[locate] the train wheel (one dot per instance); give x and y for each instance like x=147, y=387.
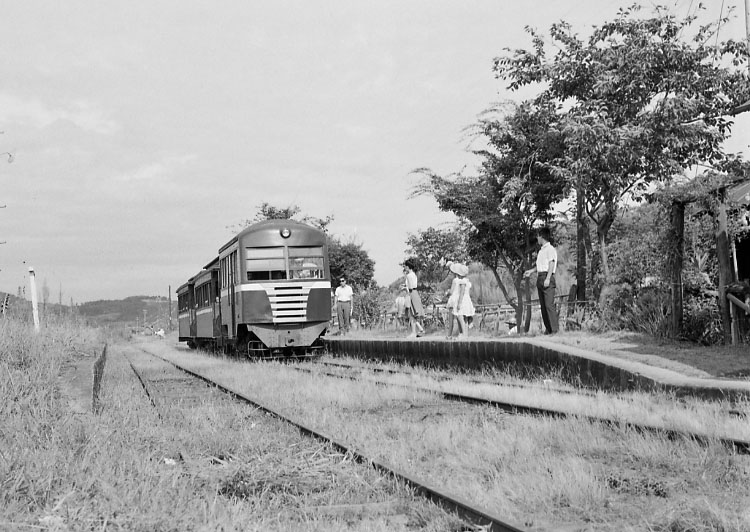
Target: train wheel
x=191, y=344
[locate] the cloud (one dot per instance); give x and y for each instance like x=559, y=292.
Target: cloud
x=84, y=114
x=156, y=171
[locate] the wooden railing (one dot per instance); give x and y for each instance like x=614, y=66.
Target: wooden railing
x=738, y=310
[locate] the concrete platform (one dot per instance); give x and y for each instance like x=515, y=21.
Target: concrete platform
x=590, y=368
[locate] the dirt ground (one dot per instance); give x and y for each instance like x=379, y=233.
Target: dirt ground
x=727, y=362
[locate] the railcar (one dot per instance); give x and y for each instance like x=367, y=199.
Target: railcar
x=268, y=293
x=185, y=314
x=199, y=309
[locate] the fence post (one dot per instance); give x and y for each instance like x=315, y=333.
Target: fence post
x=97, y=384
x=34, y=306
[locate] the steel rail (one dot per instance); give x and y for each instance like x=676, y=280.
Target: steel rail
x=146, y=389
x=739, y=446
x=464, y=509
x=473, y=381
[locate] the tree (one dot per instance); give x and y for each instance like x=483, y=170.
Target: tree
x=266, y=211
x=351, y=261
x=433, y=248
x=640, y=102
x=512, y=192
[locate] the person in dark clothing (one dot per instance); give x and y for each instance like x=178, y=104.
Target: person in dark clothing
x=546, y=264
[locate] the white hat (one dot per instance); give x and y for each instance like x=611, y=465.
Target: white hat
x=459, y=269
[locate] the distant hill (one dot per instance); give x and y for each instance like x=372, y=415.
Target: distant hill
x=134, y=310
x=149, y=310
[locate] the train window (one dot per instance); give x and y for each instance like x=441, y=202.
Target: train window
x=182, y=302
x=203, y=295
x=306, y=262
x=263, y=264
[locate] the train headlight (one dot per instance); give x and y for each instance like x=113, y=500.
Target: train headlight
x=285, y=232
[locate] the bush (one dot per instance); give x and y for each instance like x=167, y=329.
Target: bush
x=367, y=307
x=702, y=320
x=646, y=310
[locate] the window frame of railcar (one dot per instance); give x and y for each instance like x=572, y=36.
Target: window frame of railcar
x=183, y=302
x=267, y=263
x=203, y=295
x=224, y=272
x=227, y=267
x=303, y=259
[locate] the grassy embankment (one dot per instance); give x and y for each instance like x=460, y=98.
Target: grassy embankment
x=212, y=467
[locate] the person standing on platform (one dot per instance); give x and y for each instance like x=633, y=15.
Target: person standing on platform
x=452, y=294
x=415, y=310
x=546, y=265
x=463, y=308
x=343, y=301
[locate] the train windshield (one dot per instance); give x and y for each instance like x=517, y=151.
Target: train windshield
x=306, y=262
x=264, y=264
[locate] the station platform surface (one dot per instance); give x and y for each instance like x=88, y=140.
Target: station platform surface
x=609, y=369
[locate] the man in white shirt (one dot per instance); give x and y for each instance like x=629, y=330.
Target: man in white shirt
x=343, y=301
x=546, y=265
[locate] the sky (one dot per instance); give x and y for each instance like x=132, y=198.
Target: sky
x=143, y=132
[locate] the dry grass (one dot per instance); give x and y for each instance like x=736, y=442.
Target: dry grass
x=214, y=467
x=542, y=472
x=714, y=418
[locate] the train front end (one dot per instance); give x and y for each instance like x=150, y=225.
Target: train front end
x=281, y=289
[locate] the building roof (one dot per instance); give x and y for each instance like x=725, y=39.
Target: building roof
x=739, y=192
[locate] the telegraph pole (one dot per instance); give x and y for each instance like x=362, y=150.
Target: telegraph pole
x=169, y=328
x=10, y=160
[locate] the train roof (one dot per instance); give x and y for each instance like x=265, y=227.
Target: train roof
x=213, y=265
x=277, y=224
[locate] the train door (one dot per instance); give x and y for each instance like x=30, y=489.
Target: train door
x=232, y=295
x=216, y=306
x=193, y=313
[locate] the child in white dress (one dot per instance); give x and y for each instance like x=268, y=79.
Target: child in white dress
x=460, y=299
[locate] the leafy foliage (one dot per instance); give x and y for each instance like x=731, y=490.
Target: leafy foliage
x=513, y=190
x=351, y=261
x=368, y=305
x=639, y=245
x=640, y=101
x=266, y=211
x=433, y=248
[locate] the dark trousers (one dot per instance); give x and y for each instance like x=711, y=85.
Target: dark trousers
x=344, y=312
x=547, y=302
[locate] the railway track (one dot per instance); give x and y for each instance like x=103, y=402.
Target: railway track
x=168, y=385
x=545, y=388
x=738, y=445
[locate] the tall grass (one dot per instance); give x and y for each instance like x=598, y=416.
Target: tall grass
x=216, y=466
x=539, y=471
x=32, y=412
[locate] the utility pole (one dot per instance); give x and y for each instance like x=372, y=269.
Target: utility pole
x=169, y=327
